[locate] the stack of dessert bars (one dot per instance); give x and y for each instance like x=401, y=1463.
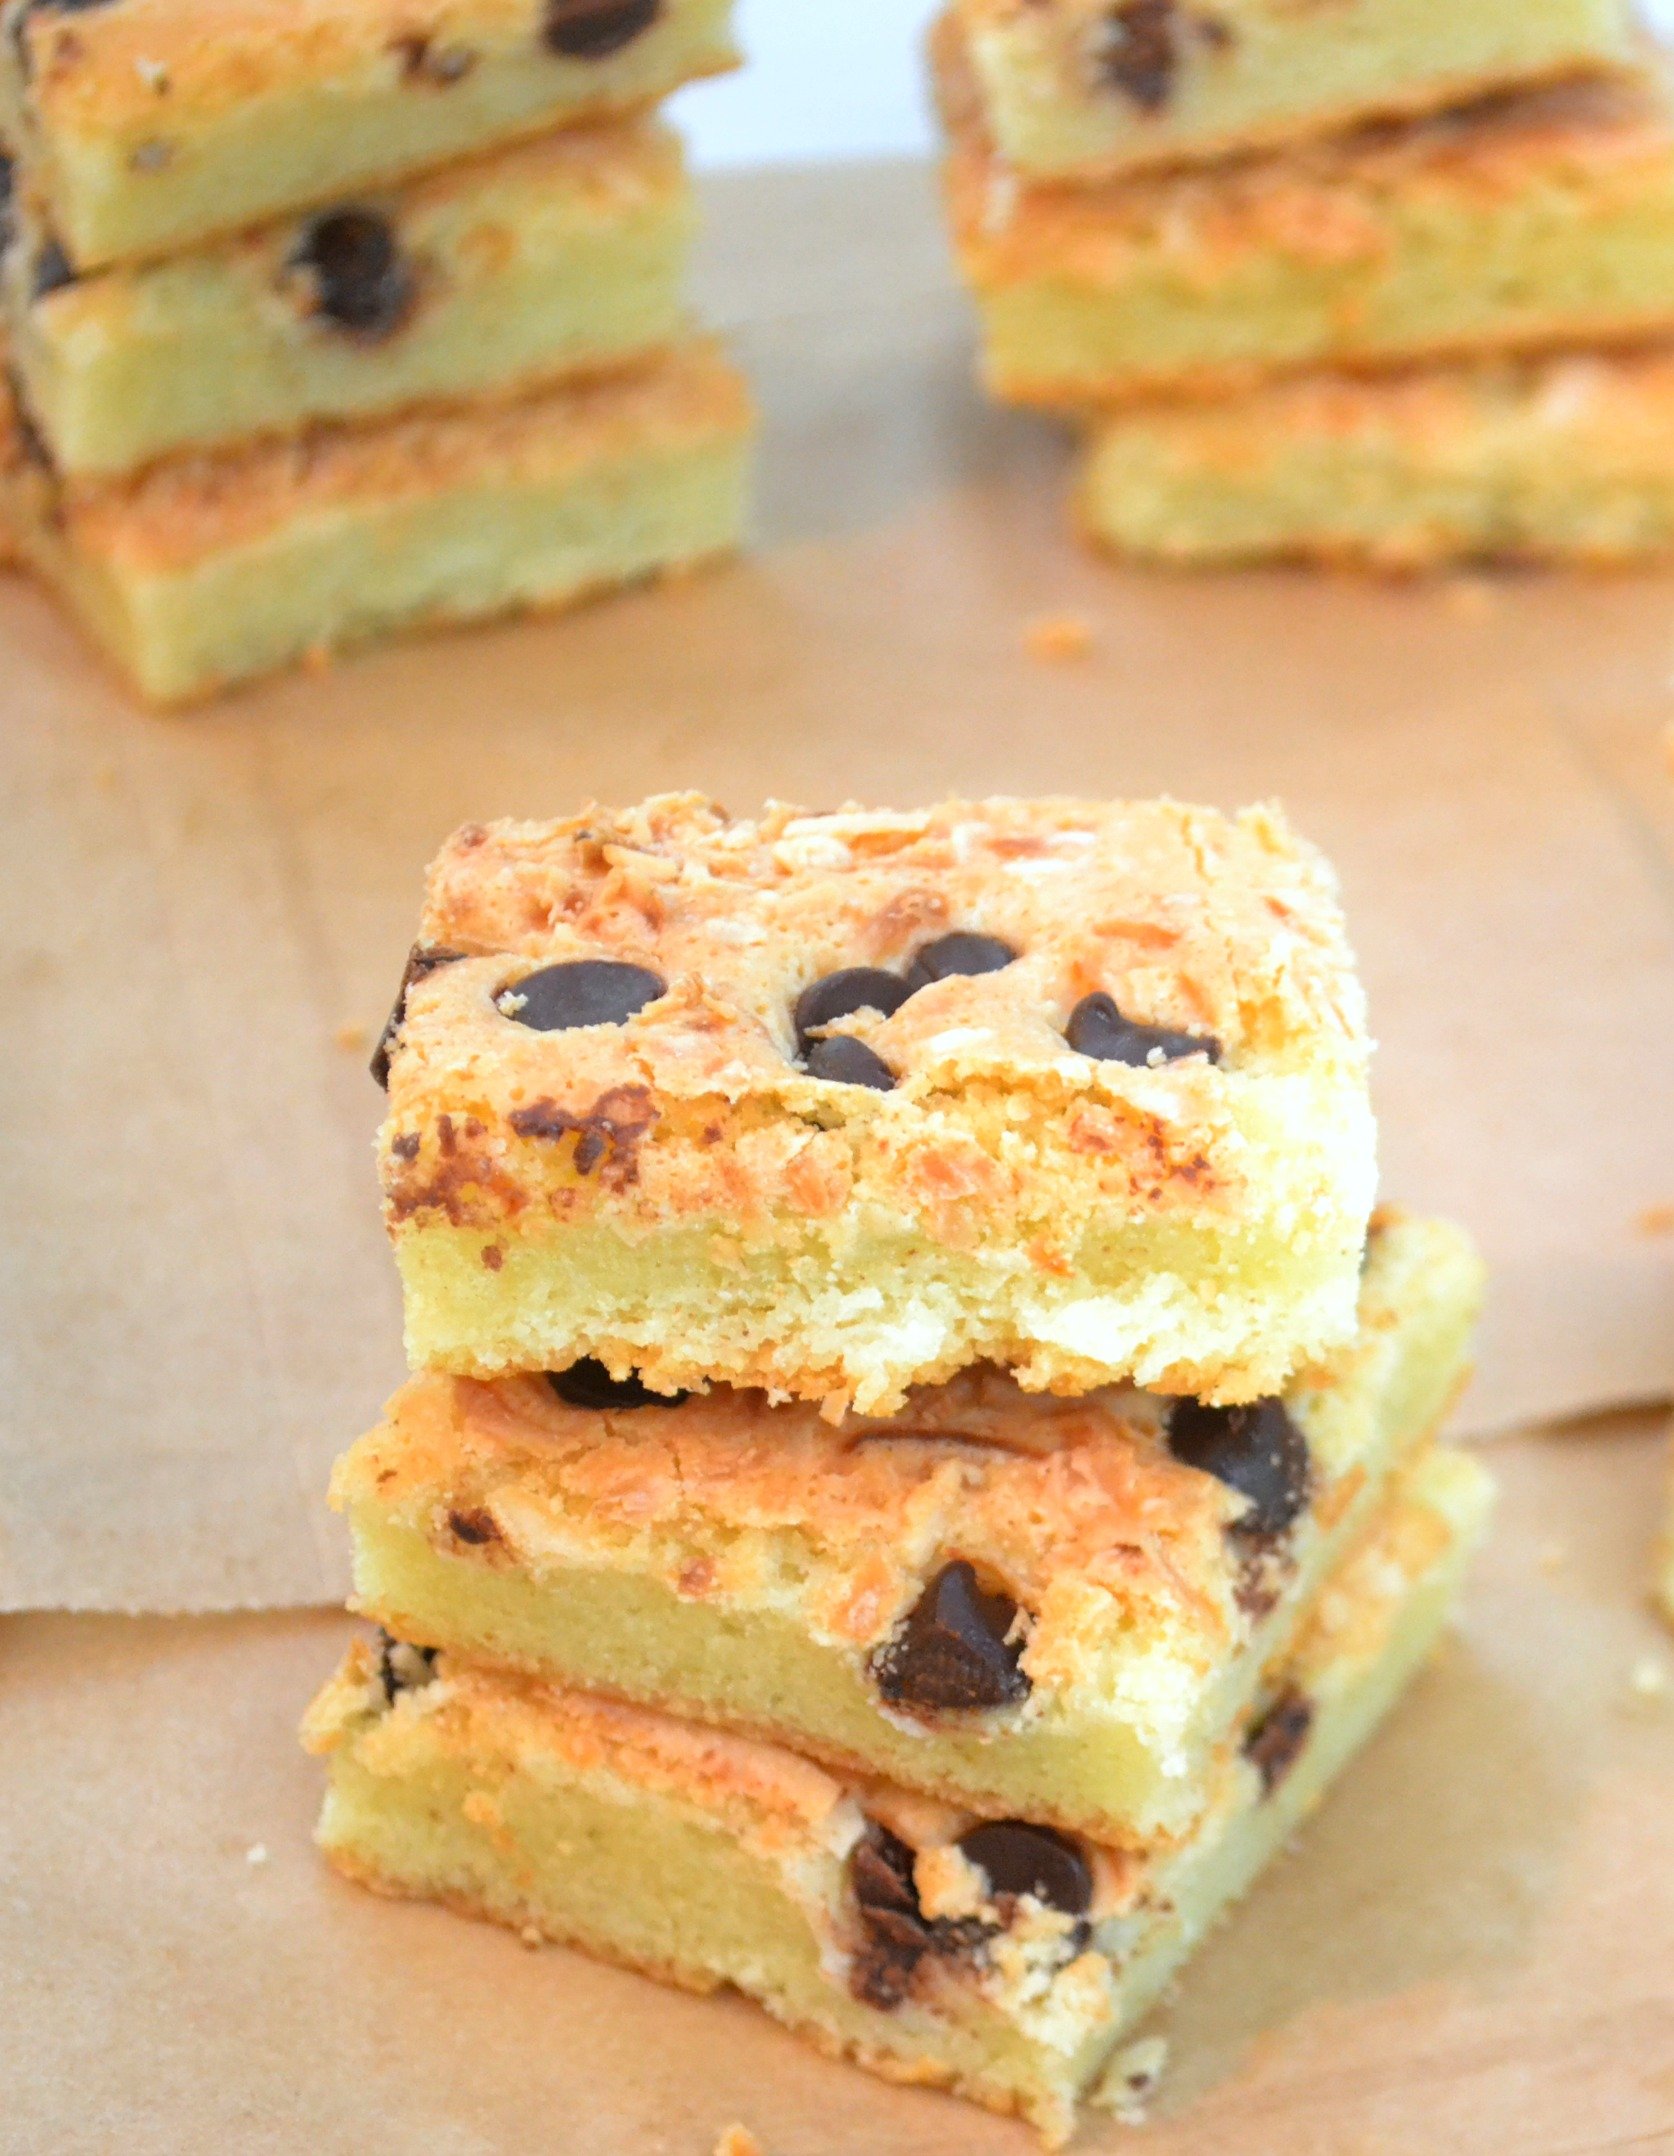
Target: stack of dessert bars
x=334, y=319
x=1391, y=280
x=922, y=1459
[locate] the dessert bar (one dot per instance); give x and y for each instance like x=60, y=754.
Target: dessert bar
x=551, y=259
x=1567, y=458
x=934, y=1945
x=1079, y=87
x=1054, y=1608
x=212, y=568
x=1540, y=220
x=145, y=126
x=840, y=1104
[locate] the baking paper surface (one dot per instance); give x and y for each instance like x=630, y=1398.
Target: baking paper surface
x=1468, y=1950
x=206, y=915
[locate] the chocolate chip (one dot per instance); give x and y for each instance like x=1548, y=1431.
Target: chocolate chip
x=953, y=1648
x=420, y=965
x=1256, y=1450
x=582, y=992
x=897, y=1937
x=1139, y=51
x=840, y=995
x=53, y=270
x=1275, y=1744
x=842, y=1060
x=589, y=1384
x=402, y=1668
x=592, y=29
x=964, y=952
x=1097, y=1028
x=1022, y=1859
x=475, y=1526
x=362, y=283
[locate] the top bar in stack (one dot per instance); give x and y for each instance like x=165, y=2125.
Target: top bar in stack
x=839, y=1104
x=1079, y=87
x=148, y=125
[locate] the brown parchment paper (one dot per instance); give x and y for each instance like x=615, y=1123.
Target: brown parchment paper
x=196, y=1308
x=1469, y=1951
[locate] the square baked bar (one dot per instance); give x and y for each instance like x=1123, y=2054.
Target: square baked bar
x=839, y=1104
x=145, y=126
x=1059, y=1609
x=553, y=259
x=934, y=1945
x=1525, y=222
x=1084, y=87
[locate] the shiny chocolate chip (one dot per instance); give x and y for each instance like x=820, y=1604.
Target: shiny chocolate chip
x=582, y=992
x=362, y=282
x=840, y=995
x=53, y=270
x=1138, y=51
x=593, y=29
x=953, y=1649
x=1256, y=1450
x=1022, y=1859
x=896, y=1935
x=421, y=963
x=589, y=1384
x=1275, y=1743
x=402, y=1668
x=1097, y=1028
x=964, y=952
x=842, y=1060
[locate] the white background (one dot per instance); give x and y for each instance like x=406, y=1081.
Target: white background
x=836, y=78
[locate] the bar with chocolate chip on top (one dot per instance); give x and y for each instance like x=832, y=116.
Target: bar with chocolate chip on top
x=551, y=260
x=935, y=1944
x=840, y=1104
x=1052, y=1608
x=1085, y=88
x=146, y=126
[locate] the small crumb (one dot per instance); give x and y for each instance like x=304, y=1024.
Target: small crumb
x=1656, y=1220
x=738, y=2141
x=1648, y=1678
x=1553, y=1556
x=153, y=74
x=1130, y=2080
x=256, y=1853
x=1472, y=598
x=352, y=1039
x=1057, y=638
x=532, y=1937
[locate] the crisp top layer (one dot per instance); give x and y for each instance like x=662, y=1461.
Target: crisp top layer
x=1223, y=926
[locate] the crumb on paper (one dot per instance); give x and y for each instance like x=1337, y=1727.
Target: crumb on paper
x=1055, y=638
x=351, y=1038
x=1648, y=1678
x=532, y=1937
x=738, y=2141
x=1656, y=1220
x=1552, y=1556
x=256, y=1853
x=1130, y=2080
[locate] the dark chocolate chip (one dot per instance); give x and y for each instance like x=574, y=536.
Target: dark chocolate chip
x=1138, y=51
x=1256, y=1450
x=1097, y=1028
x=589, y=1384
x=65, y=7
x=1275, y=1744
x=1021, y=1859
x=593, y=29
x=952, y=1650
x=363, y=284
x=53, y=270
x=897, y=1937
x=842, y=1060
x=475, y=1525
x=420, y=965
x=840, y=995
x=582, y=992
x=402, y=1668
x=964, y=952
